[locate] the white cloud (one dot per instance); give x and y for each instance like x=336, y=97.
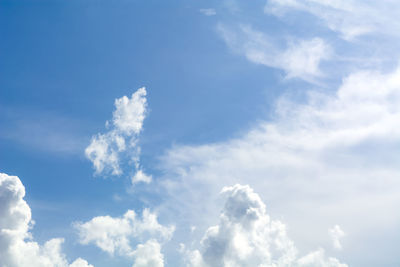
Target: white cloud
x=300, y=59
x=17, y=248
x=336, y=233
x=107, y=150
x=208, y=11
x=350, y=18
x=115, y=235
x=129, y=113
x=332, y=159
x=148, y=255
x=80, y=263
x=140, y=176
x=246, y=236
x=318, y=259
x=103, y=152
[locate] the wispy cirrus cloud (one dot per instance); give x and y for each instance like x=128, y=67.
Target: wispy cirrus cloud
x=351, y=19
x=42, y=131
x=208, y=11
x=299, y=59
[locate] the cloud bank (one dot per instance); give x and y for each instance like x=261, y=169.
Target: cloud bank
x=331, y=160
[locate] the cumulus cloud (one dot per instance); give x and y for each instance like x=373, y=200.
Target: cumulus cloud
x=148, y=255
x=300, y=58
x=140, y=176
x=115, y=236
x=129, y=113
x=17, y=248
x=107, y=150
x=350, y=18
x=336, y=234
x=246, y=236
x=104, y=150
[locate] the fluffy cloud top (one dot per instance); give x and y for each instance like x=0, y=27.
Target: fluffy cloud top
x=246, y=236
x=115, y=235
x=107, y=150
x=336, y=234
x=17, y=248
x=130, y=113
x=148, y=255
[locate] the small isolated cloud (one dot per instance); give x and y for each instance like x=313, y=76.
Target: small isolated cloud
x=208, y=11
x=17, y=248
x=140, y=176
x=107, y=150
x=114, y=236
x=336, y=233
x=300, y=58
x=246, y=236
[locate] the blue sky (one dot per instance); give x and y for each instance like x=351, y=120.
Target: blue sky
x=259, y=123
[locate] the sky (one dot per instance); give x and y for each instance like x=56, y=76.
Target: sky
x=199, y=133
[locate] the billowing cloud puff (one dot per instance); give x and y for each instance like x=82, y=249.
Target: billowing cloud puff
x=104, y=150
x=115, y=235
x=107, y=150
x=336, y=234
x=246, y=236
x=130, y=113
x=148, y=255
x=140, y=176
x=17, y=248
